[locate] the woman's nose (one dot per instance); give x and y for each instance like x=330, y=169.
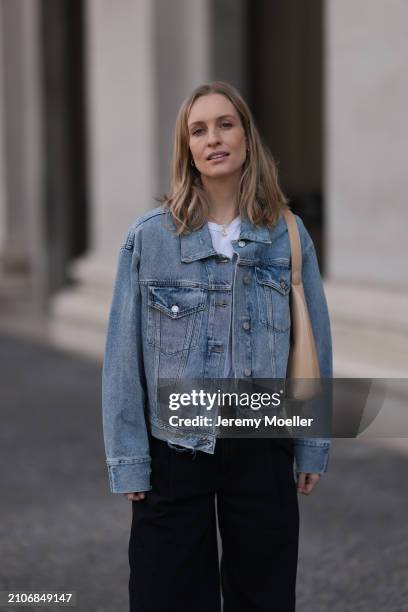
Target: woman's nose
x=213, y=136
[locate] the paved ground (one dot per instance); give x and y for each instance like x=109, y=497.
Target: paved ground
x=60, y=527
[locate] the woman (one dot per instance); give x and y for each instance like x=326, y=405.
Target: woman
x=202, y=291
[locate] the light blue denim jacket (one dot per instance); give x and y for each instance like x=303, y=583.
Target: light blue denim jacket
x=170, y=318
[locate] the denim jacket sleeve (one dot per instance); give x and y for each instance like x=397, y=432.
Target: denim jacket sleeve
x=123, y=380
x=312, y=454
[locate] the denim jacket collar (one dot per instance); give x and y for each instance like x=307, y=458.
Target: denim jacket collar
x=198, y=244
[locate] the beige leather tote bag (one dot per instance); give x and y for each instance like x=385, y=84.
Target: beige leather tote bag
x=303, y=360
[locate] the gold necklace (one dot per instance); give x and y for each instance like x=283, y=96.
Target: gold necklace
x=224, y=226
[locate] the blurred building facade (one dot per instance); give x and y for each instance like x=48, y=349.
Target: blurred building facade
x=89, y=91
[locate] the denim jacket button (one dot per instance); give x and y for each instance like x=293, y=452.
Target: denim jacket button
x=175, y=308
x=246, y=325
x=247, y=371
x=241, y=243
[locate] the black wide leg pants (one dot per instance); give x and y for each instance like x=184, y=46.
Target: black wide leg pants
x=173, y=552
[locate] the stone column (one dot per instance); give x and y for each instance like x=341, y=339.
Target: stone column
x=136, y=81
x=2, y=151
x=23, y=249
x=121, y=110
x=182, y=48
x=366, y=185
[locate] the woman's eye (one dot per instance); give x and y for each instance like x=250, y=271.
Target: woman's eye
x=224, y=124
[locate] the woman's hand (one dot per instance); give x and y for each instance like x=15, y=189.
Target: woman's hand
x=306, y=482
x=135, y=496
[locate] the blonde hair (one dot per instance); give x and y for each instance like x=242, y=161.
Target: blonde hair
x=260, y=197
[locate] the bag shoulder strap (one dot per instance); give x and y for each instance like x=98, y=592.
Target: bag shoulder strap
x=295, y=246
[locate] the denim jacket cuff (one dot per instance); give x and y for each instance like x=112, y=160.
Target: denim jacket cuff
x=311, y=457
x=129, y=476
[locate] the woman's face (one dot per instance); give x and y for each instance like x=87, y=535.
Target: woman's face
x=216, y=136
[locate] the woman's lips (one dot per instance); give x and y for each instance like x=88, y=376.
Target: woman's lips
x=219, y=158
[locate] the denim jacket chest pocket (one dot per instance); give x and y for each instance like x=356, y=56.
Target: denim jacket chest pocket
x=174, y=317
x=273, y=286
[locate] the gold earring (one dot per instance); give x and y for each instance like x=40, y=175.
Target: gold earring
x=192, y=162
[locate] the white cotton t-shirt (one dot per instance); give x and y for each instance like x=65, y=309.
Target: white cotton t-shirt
x=222, y=244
